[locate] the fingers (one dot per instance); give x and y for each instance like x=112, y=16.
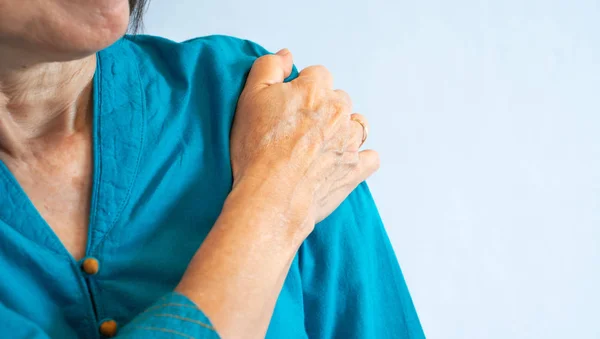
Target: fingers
x=355, y=132
x=270, y=69
x=362, y=166
x=368, y=163
x=345, y=98
x=317, y=74
x=350, y=135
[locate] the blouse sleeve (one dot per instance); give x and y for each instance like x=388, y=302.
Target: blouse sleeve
x=173, y=316
x=352, y=284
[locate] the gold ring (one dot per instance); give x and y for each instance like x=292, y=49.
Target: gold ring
x=365, y=130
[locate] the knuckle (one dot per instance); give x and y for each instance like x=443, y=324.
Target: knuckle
x=345, y=105
x=342, y=97
x=311, y=93
x=319, y=72
x=345, y=96
x=345, y=101
x=319, y=69
x=265, y=59
x=311, y=86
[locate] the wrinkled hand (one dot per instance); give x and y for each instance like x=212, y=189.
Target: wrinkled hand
x=298, y=137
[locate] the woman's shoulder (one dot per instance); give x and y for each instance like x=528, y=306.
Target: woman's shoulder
x=221, y=55
x=198, y=80
x=202, y=75
x=217, y=45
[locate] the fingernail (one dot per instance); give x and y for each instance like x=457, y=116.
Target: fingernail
x=283, y=52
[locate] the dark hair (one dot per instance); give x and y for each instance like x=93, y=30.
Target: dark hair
x=137, y=9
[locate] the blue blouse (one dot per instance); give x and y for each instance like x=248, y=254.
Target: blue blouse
x=162, y=116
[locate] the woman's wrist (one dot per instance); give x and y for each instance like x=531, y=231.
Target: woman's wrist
x=279, y=204
x=237, y=274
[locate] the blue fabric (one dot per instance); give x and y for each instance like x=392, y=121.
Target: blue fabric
x=163, y=112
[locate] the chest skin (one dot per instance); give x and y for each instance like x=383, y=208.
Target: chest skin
x=57, y=179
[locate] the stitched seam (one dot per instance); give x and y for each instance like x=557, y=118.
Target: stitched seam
x=95, y=290
x=138, y=160
x=97, y=154
x=160, y=329
x=168, y=315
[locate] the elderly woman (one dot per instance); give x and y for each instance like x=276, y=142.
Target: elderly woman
x=133, y=205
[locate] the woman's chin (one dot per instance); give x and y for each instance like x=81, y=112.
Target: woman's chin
x=60, y=30
x=73, y=32
x=77, y=41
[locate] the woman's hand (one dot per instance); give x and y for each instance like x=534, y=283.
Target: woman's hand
x=295, y=158
x=299, y=135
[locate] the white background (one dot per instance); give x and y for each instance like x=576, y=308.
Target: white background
x=487, y=118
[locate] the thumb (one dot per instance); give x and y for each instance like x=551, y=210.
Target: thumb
x=270, y=69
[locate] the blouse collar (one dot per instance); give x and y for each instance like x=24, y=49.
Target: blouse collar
x=118, y=134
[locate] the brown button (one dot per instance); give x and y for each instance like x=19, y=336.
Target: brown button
x=90, y=266
x=108, y=328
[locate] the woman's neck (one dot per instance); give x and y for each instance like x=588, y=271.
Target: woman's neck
x=42, y=103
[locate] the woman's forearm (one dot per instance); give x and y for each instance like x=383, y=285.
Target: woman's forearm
x=238, y=272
